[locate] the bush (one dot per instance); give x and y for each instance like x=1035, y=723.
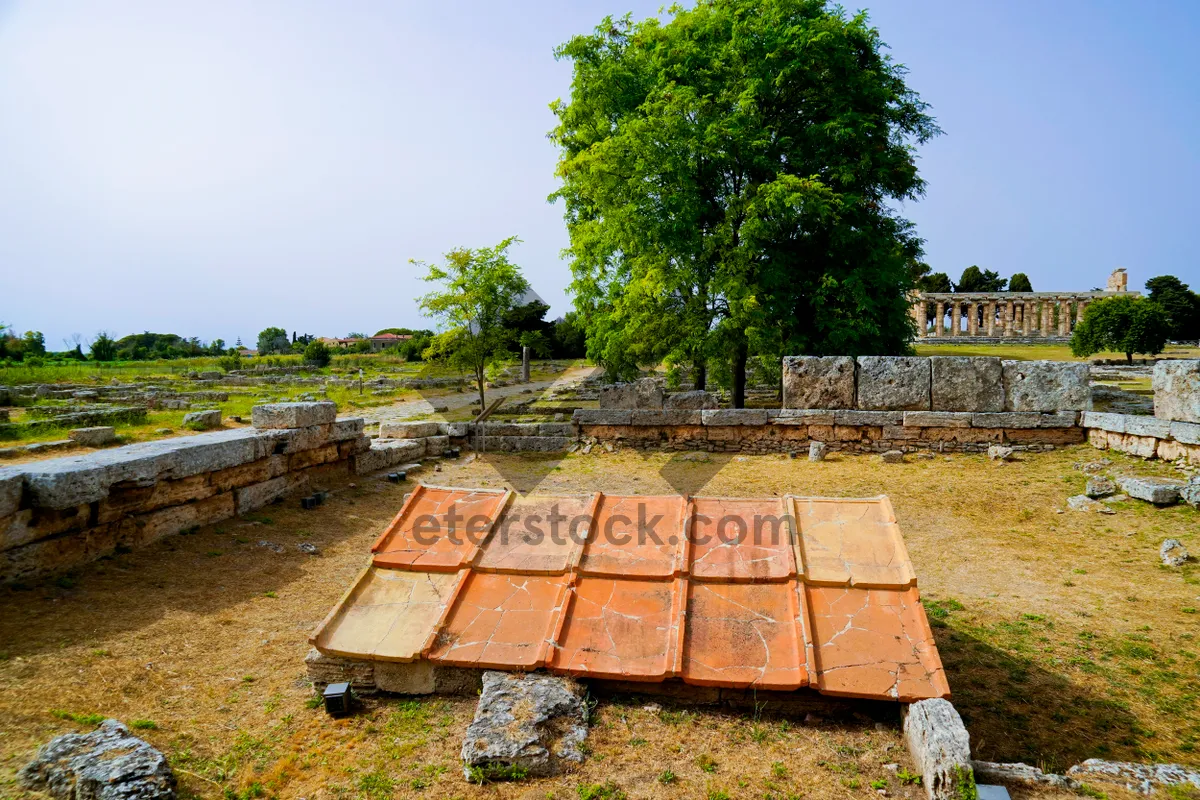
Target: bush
x=317, y=354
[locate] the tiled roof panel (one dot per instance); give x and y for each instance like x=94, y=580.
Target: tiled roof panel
x=771, y=593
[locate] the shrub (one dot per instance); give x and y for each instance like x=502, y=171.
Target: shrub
x=317, y=354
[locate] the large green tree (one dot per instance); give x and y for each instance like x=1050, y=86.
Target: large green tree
x=1181, y=304
x=1121, y=324
x=273, y=340
x=478, y=289
x=975, y=279
x=727, y=177
x=1020, y=282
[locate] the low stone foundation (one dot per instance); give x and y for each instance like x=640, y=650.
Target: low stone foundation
x=1145, y=437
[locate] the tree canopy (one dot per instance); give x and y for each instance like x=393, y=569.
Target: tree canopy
x=1121, y=324
x=976, y=280
x=273, y=340
x=727, y=177
x=1181, y=305
x=938, y=282
x=478, y=288
x=1020, y=282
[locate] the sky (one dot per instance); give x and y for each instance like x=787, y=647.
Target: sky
x=214, y=168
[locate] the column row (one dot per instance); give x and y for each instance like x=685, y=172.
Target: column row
x=1004, y=318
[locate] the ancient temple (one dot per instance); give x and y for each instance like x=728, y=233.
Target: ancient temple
x=980, y=316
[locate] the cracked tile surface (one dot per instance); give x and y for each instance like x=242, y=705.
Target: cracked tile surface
x=438, y=529
x=621, y=629
x=835, y=608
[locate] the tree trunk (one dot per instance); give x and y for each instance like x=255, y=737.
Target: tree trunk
x=700, y=374
x=1129, y=358
x=739, y=374
x=479, y=383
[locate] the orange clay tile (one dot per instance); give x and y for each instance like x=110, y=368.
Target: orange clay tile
x=741, y=540
x=537, y=534
x=851, y=542
x=388, y=614
x=615, y=547
x=438, y=529
x=620, y=629
x=874, y=643
x=835, y=607
x=500, y=621
x=742, y=635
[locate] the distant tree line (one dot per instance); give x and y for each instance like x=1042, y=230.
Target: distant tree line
x=973, y=279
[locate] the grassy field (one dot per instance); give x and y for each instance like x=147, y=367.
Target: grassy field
x=1062, y=636
x=1036, y=352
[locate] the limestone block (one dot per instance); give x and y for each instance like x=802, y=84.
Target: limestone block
x=1172, y=553
x=529, y=444
x=323, y=670
x=253, y=497
x=168, y=521
x=879, y=418
x=1104, y=421
x=1185, y=432
x=385, y=455
x=817, y=450
x=202, y=420
x=125, y=500
x=1060, y=419
x=937, y=419
x=535, y=722
x=293, y=415
x=455, y=430
x=93, y=437
x=963, y=383
x=436, y=445
x=887, y=383
x=556, y=429
x=802, y=416
x=312, y=458
x=73, y=480
x=941, y=748
x=1046, y=386
x=642, y=393
x=1140, y=446
x=345, y=429
x=105, y=764
x=295, y=440
x=667, y=417
x=593, y=416
x=1099, y=486
x=1190, y=494
x=1177, y=390
x=408, y=430
x=697, y=400
x=1006, y=420
x=893, y=457
x=416, y=677
x=1147, y=426
x=1160, y=491
x=243, y=475
x=30, y=525
x=734, y=416
x=818, y=382
x=12, y=483
x=1140, y=777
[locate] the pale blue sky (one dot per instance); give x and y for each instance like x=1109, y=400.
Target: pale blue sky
x=213, y=168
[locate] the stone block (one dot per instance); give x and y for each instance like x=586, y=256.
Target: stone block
x=243, y=474
x=436, y=445
x=385, y=455
x=455, y=430
x=1185, y=432
x=940, y=747
x=1046, y=386
x=557, y=429
x=802, y=416
x=962, y=383
x=893, y=457
x=937, y=419
x=1104, y=421
x=529, y=444
x=125, y=500
x=157, y=524
x=593, y=416
x=345, y=429
x=295, y=440
x=824, y=382
x=1159, y=491
x=251, y=498
x=537, y=723
x=408, y=430
x=1177, y=390
x=893, y=383
x=1007, y=419
x=734, y=416
x=12, y=484
x=293, y=415
x=416, y=677
x=202, y=420
x=74, y=480
x=323, y=670
x=30, y=525
x=1147, y=426
x=665, y=417
x=207, y=452
x=817, y=451
x=93, y=437
x=879, y=418
x=697, y=400
x=642, y=393
x=1059, y=419
x=311, y=458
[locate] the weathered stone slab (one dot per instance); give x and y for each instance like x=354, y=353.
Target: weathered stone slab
x=667, y=417
x=436, y=445
x=1059, y=419
x=455, y=430
x=205, y=420
x=818, y=382
x=12, y=483
x=602, y=416
x=734, y=416
x=1160, y=491
x=1177, y=390
x=642, y=393
x=385, y=455
x=962, y=383
x=937, y=419
x=802, y=416
x=408, y=430
x=1007, y=419
x=893, y=383
x=1046, y=386
x=1021, y=773
x=537, y=723
x=529, y=444
x=107, y=764
x=1138, y=777
x=1185, y=432
x=557, y=428
x=941, y=748
x=345, y=429
x=1104, y=421
x=1147, y=426
x=876, y=418
x=1099, y=486
x=256, y=496
x=696, y=400
x=293, y=415
x=817, y=451
x=169, y=521
x=93, y=437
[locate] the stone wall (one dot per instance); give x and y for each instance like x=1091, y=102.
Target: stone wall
x=1172, y=434
x=58, y=513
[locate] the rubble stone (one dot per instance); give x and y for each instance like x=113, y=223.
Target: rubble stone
x=1172, y=553
x=1138, y=777
x=107, y=764
x=893, y=457
x=93, y=437
x=1081, y=502
x=817, y=450
x=1160, y=491
x=823, y=382
x=941, y=748
x=642, y=393
x=1100, y=486
x=202, y=420
x=999, y=452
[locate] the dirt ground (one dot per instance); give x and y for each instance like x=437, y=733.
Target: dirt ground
x=1062, y=636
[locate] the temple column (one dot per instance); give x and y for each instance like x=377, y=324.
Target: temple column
x=1044, y=327
x=989, y=313
x=1009, y=310
x=956, y=318
x=1026, y=318
x=922, y=314
x=939, y=322
x=972, y=319
x=1064, y=316
x=1081, y=307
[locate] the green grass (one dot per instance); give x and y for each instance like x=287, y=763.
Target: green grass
x=1033, y=352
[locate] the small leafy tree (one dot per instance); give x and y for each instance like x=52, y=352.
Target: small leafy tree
x=104, y=347
x=976, y=280
x=938, y=283
x=273, y=340
x=477, y=289
x=1020, y=283
x=1121, y=324
x=1181, y=304
x=317, y=354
